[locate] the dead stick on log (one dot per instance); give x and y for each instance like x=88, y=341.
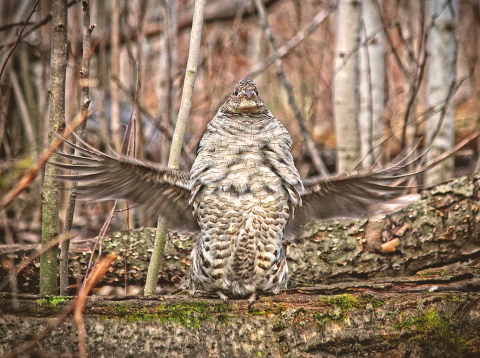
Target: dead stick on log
x=97, y=274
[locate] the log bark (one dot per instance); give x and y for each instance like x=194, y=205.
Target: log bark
x=433, y=314
x=441, y=228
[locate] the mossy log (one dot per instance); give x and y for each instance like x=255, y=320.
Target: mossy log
x=359, y=288
x=441, y=228
x=432, y=314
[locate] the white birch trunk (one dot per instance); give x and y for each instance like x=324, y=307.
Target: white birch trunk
x=441, y=79
x=346, y=89
x=371, y=83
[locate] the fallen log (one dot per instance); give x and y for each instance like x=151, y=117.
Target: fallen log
x=432, y=314
x=359, y=288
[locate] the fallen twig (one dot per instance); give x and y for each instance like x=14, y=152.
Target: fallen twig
x=79, y=304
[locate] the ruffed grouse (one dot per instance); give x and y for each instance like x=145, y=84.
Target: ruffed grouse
x=242, y=193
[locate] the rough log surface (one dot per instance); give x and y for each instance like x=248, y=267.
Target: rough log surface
x=432, y=314
x=358, y=291
x=440, y=229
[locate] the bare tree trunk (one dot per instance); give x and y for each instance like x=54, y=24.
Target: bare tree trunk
x=346, y=85
x=162, y=97
x=441, y=83
x=101, y=71
x=177, y=140
x=50, y=195
x=372, y=76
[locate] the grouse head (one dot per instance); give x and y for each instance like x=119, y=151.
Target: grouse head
x=244, y=99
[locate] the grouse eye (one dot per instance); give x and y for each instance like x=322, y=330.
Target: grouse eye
x=235, y=92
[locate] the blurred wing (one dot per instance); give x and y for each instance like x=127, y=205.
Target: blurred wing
x=348, y=195
x=164, y=192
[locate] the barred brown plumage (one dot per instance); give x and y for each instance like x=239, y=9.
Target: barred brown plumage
x=242, y=192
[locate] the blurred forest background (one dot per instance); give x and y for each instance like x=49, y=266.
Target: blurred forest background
x=137, y=67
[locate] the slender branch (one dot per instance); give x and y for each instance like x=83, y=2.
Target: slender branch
x=415, y=89
x=24, y=114
x=84, y=85
x=79, y=305
x=190, y=75
x=292, y=43
x=225, y=61
x=220, y=10
x=177, y=140
x=393, y=48
x=43, y=22
x=449, y=153
x=99, y=240
x=15, y=24
x=18, y=38
x=425, y=115
x=312, y=150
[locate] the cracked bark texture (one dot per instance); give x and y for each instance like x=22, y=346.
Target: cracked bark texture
x=359, y=288
x=423, y=316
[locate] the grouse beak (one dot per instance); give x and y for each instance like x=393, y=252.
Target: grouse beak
x=248, y=102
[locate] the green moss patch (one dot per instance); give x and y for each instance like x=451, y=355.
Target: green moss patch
x=340, y=305
x=433, y=330
x=190, y=315
x=52, y=301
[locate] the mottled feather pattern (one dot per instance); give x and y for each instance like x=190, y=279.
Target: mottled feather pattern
x=243, y=194
x=350, y=195
x=247, y=178
x=164, y=192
